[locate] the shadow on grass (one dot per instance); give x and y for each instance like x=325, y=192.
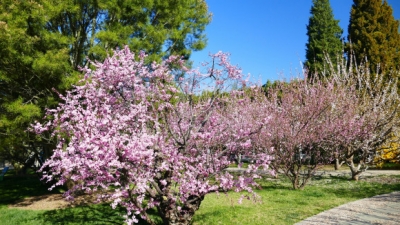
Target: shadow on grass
x=89, y=214
x=15, y=188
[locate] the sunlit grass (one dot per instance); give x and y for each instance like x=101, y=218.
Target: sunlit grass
x=281, y=205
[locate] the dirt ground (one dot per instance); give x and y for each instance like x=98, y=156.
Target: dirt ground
x=56, y=201
x=50, y=202
x=44, y=202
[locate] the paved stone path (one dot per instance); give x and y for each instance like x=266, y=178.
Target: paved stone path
x=368, y=173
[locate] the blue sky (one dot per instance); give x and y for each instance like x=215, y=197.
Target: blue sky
x=266, y=38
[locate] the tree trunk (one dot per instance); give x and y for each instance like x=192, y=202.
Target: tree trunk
x=295, y=180
x=338, y=164
x=170, y=214
x=355, y=171
x=295, y=184
x=355, y=176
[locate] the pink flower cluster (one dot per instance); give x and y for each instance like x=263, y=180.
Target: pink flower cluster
x=144, y=139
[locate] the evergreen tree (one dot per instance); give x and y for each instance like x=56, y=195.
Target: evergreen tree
x=43, y=43
x=324, y=35
x=374, y=34
x=159, y=28
x=32, y=62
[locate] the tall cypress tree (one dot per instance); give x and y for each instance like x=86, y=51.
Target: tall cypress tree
x=374, y=34
x=324, y=35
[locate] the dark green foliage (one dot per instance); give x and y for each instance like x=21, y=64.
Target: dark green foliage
x=324, y=35
x=373, y=34
x=43, y=43
x=32, y=62
x=159, y=28
x=269, y=85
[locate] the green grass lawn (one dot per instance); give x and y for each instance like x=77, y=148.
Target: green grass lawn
x=279, y=204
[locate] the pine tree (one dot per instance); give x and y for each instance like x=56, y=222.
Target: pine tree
x=374, y=35
x=43, y=43
x=159, y=28
x=32, y=62
x=324, y=35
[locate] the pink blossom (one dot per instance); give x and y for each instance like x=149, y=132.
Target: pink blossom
x=133, y=128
